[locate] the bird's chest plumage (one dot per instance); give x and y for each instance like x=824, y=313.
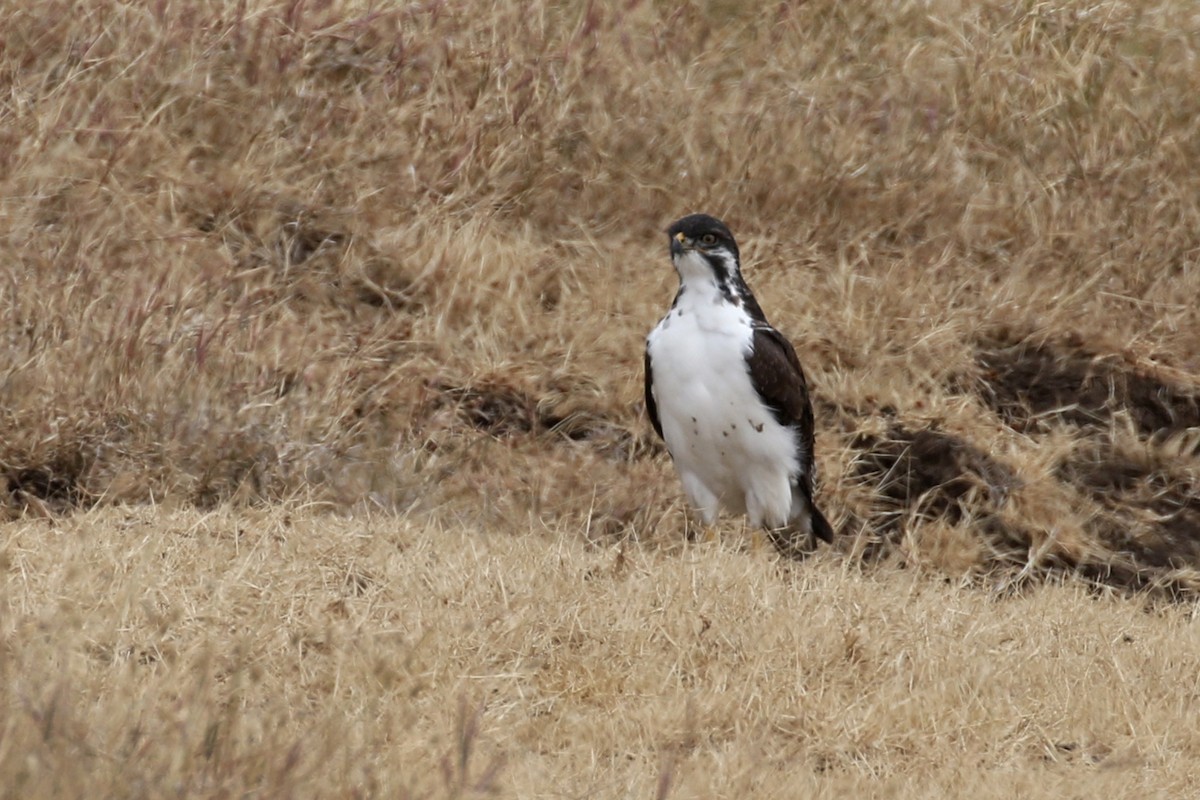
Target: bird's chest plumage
x=714, y=423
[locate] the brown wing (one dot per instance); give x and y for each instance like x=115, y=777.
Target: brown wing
x=651, y=406
x=779, y=380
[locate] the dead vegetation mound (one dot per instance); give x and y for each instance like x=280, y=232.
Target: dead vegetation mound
x=498, y=408
x=55, y=485
x=1030, y=384
x=1131, y=474
x=1150, y=501
x=931, y=474
x=1139, y=504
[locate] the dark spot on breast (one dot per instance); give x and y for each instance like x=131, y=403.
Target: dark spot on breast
x=693, y=419
x=758, y=427
x=724, y=433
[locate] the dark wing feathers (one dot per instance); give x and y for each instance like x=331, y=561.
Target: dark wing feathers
x=651, y=406
x=779, y=380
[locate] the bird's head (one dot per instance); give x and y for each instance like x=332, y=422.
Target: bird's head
x=702, y=247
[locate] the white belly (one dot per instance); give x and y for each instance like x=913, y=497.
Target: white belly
x=729, y=450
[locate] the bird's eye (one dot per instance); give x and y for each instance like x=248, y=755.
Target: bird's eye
x=708, y=239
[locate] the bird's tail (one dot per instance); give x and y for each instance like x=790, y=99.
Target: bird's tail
x=799, y=537
x=821, y=528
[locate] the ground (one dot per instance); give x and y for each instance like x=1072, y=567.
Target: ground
x=323, y=464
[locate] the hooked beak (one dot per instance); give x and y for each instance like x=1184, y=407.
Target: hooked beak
x=679, y=243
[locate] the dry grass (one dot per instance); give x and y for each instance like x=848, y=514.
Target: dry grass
x=269, y=652
x=323, y=468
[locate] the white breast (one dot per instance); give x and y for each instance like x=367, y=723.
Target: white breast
x=727, y=447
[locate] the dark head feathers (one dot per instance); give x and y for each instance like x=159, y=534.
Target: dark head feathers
x=695, y=227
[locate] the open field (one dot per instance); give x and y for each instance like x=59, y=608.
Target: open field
x=323, y=465
x=266, y=652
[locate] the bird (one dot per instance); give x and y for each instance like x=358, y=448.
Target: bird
x=725, y=391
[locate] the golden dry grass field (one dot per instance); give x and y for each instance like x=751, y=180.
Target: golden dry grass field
x=324, y=470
